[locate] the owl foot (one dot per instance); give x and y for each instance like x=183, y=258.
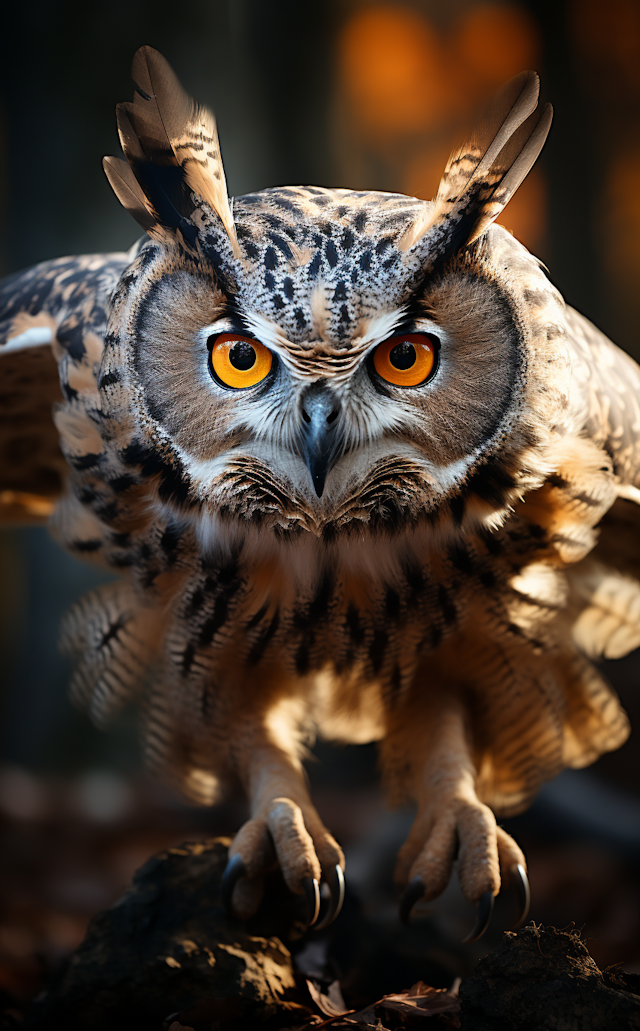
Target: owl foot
x=415, y=891
x=523, y=894
x=487, y=857
x=484, y=913
x=295, y=840
x=335, y=887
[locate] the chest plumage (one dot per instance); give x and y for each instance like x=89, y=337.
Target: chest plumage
x=362, y=472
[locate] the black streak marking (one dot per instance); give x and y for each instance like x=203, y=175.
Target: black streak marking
x=354, y=625
x=377, y=649
x=262, y=643
x=314, y=265
x=447, y=607
x=113, y=631
x=108, y=379
x=331, y=253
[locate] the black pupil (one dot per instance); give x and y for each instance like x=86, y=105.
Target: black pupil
x=242, y=356
x=403, y=355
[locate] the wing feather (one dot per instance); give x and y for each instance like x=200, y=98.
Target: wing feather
x=52, y=323
x=603, y=609
x=610, y=381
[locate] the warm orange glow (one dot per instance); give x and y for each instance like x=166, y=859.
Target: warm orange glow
x=20, y=506
x=410, y=365
x=494, y=42
x=240, y=361
x=391, y=65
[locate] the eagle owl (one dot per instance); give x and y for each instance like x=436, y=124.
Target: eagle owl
x=362, y=472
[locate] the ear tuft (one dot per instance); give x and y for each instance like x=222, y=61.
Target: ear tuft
x=127, y=189
x=172, y=153
x=485, y=172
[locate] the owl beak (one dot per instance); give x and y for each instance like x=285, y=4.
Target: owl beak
x=320, y=410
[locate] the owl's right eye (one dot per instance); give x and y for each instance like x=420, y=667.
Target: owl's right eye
x=237, y=361
x=407, y=359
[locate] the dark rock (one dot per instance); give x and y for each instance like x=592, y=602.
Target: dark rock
x=542, y=979
x=167, y=952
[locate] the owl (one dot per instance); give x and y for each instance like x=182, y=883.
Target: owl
x=362, y=474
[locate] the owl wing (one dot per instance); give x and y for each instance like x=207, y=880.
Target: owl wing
x=604, y=604
x=610, y=380
x=52, y=326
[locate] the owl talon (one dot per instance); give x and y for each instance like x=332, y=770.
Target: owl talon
x=483, y=917
x=312, y=895
x=234, y=871
x=413, y=892
x=335, y=882
x=523, y=893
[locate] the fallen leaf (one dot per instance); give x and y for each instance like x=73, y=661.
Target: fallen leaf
x=418, y=1004
x=331, y=1004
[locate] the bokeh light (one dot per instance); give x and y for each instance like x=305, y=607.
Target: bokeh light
x=412, y=85
x=491, y=44
x=393, y=71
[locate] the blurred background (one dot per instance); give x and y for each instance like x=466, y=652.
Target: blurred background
x=337, y=93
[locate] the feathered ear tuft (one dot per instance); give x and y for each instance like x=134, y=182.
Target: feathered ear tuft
x=172, y=153
x=485, y=172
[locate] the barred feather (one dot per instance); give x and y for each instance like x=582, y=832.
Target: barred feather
x=110, y=636
x=171, y=752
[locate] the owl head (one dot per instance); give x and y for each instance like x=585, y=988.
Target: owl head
x=306, y=358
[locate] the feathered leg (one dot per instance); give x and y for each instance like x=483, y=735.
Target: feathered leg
x=451, y=821
x=284, y=826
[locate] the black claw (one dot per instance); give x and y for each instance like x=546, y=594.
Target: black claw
x=413, y=892
x=523, y=893
x=235, y=869
x=335, y=882
x=485, y=909
x=312, y=894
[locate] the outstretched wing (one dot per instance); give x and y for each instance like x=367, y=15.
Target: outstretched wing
x=611, y=383
x=52, y=325
x=604, y=601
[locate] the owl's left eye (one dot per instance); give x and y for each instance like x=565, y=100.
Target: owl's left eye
x=407, y=359
x=238, y=361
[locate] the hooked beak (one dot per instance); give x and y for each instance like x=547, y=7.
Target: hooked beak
x=320, y=410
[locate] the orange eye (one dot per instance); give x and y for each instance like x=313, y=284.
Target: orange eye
x=239, y=361
x=406, y=359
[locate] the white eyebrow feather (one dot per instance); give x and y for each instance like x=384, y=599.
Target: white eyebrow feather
x=265, y=331
x=379, y=327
